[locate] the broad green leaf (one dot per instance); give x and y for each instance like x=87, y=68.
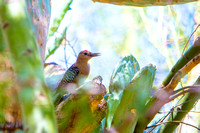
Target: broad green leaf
x=121, y=77
x=134, y=98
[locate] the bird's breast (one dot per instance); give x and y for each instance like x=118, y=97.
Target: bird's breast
x=84, y=70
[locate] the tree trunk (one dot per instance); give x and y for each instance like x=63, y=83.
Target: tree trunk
x=40, y=11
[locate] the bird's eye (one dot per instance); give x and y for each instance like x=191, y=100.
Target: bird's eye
x=85, y=53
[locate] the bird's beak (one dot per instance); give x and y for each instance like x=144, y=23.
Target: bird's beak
x=94, y=54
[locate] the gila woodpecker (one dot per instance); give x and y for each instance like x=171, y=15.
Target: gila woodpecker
x=79, y=71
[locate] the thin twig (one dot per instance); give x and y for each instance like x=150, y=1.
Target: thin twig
x=173, y=122
x=172, y=110
x=72, y=47
x=68, y=43
x=75, y=41
x=192, y=90
x=65, y=57
x=183, y=88
x=189, y=39
x=183, y=102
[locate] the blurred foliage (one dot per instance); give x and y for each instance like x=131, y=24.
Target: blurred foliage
x=33, y=95
x=10, y=111
x=3, y=85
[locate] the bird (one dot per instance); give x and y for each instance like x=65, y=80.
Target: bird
x=78, y=72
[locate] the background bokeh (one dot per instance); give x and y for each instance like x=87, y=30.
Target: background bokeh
x=154, y=35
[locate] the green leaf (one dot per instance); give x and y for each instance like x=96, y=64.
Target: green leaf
x=121, y=77
x=133, y=100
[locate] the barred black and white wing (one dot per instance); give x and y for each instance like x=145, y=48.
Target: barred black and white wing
x=69, y=76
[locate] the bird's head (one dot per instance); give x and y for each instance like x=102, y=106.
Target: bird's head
x=87, y=55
